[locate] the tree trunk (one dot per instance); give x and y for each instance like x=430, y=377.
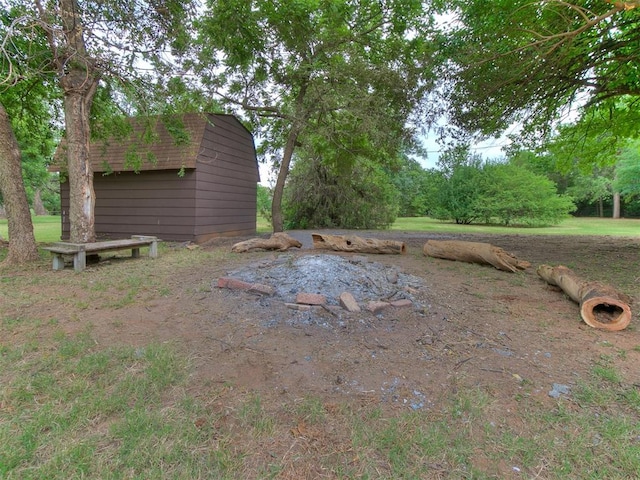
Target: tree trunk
x=79, y=83
x=22, y=243
x=352, y=243
x=297, y=125
x=474, y=252
x=616, y=205
x=277, y=218
x=600, y=305
x=600, y=207
x=38, y=206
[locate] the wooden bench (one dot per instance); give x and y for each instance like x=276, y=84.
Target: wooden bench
x=80, y=250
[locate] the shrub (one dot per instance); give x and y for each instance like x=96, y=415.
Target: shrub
x=318, y=195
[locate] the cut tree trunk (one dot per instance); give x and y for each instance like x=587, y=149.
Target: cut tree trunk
x=601, y=306
x=278, y=241
x=351, y=243
x=474, y=252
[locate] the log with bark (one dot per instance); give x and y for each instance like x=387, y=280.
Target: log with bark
x=352, y=243
x=474, y=252
x=601, y=306
x=278, y=241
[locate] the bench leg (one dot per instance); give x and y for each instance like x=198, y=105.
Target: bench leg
x=79, y=261
x=58, y=261
x=153, y=249
x=153, y=246
x=135, y=252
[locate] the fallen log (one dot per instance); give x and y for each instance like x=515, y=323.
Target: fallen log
x=352, y=243
x=601, y=306
x=278, y=241
x=474, y=252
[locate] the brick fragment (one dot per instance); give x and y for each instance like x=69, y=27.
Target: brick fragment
x=233, y=283
x=297, y=306
x=376, y=307
x=311, y=298
x=402, y=303
x=348, y=302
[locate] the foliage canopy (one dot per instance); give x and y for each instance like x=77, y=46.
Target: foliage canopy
x=528, y=62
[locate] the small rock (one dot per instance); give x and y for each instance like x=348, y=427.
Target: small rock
x=392, y=277
x=311, y=299
x=375, y=307
x=296, y=306
x=559, y=389
x=348, y=302
x=503, y=352
x=402, y=303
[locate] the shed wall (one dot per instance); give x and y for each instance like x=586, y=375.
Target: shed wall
x=159, y=203
x=216, y=198
x=226, y=178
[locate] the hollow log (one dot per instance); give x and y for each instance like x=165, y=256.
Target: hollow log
x=601, y=306
x=474, y=252
x=352, y=243
x=278, y=241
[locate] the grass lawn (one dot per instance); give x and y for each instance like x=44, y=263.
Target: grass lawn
x=622, y=227
x=73, y=406
x=48, y=229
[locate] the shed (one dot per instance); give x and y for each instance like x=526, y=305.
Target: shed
x=193, y=184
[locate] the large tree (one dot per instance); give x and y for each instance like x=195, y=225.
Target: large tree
x=531, y=62
x=310, y=71
x=22, y=244
x=26, y=133
x=88, y=43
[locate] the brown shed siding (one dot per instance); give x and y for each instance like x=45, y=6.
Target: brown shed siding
x=217, y=197
x=227, y=175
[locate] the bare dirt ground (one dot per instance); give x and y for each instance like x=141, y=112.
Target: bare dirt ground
x=470, y=326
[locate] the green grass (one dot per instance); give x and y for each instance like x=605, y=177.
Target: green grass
x=263, y=225
x=572, y=226
x=47, y=228
x=72, y=410
x=71, y=407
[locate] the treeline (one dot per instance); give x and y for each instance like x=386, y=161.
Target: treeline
x=521, y=190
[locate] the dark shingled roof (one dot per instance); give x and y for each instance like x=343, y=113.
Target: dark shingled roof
x=165, y=150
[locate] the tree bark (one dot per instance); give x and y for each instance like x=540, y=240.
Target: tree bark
x=278, y=241
x=297, y=126
x=600, y=207
x=79, y=82
x=352, y=243
x=22, y=242
x=601, y=306
x=38, y=206
x=277, y=218
x=474, y=252
x=616, y=205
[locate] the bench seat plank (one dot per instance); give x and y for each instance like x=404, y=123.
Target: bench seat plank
x=80, y=250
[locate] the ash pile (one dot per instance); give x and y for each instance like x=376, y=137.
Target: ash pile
x=292, y=277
